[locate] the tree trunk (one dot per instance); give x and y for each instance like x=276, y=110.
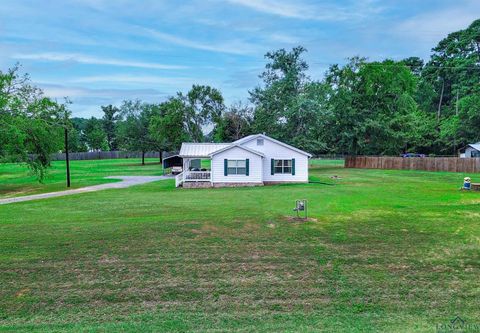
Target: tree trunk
x=160, y=157
x=455, y=152
x=143, y=158
x=440, y=102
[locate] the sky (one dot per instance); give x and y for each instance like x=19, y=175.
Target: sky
x=99, y=52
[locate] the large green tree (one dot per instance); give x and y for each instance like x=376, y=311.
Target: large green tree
x=133, y=130
x=283, y=79
x=31, y=125
x=167, y=127
x=453, y=72
x=374, y=107
x=203, y=107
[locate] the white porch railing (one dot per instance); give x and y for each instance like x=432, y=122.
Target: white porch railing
x=197, y=176
x=179, y=179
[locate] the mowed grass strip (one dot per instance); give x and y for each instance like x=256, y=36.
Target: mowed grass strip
x=395, y=251
x=18, y=180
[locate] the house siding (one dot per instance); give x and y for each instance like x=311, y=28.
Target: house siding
x=255, y=167
x=273, y=150
x=470, y=152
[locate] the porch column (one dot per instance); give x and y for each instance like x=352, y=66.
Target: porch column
x=186, y=162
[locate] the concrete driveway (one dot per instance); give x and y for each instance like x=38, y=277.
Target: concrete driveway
x=127, y=181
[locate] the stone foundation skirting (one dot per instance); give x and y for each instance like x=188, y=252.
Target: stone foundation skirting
x=284, y=182
x=197, y=185
x=236, y=184
x=209, y=185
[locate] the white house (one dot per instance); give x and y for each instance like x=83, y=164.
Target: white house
x=472, y=150
x=251, y=161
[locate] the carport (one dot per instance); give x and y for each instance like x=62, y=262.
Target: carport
x=172, y=161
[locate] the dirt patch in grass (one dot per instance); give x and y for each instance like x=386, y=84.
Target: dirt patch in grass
x=299, y=219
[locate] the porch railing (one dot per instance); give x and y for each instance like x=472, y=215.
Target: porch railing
x=179, y=179
x=197, y=176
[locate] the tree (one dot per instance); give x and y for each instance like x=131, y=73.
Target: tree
x=374, y=106
x=203, y=107
x=234, y=123
x=110, y=118
x=77, y=141
x=95, y=136
x=31, y=125
x=454, y=73
x=168, y=126
x=134, y=129
x=283, y=81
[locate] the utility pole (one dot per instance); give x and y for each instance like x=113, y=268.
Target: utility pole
x=67, y=159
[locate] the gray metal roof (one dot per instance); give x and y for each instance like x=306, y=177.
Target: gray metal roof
x=253, y=136
x=238, y=146
x=475, y=146
x=208, y=149
x=200, y=149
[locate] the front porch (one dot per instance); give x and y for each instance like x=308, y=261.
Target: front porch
x=195, y=170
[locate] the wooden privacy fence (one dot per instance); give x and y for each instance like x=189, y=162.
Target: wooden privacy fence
x=103, y=155
x=450, y=164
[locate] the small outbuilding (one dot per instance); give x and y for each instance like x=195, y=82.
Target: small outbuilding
x=472, y=150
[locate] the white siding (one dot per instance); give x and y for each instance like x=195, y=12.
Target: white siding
x=471, y=152
x=255, y=166
x=273, y=150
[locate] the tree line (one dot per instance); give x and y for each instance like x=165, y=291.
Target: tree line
x=362, y=107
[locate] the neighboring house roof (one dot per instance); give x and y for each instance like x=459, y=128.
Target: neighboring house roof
x=200, y=149
x=230, y=146
x=256, y=136
x=475, y=146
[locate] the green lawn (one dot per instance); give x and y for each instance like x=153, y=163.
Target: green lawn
x=391, y=251
x=17, y=180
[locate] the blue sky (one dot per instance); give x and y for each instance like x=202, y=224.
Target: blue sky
x=98, y=52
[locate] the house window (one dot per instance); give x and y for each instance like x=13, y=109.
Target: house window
x=283, y=166
x=237, y=167
x=475, y=153
x=259, y=142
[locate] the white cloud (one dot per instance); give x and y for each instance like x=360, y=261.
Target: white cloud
x=430, y=28
x=85, y=59
x=276, y=8
x=305, y=11
x=137, y=79
x=60, y=91
x=87, y=101
x=232, y=47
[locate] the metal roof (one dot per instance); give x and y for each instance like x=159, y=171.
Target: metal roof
x=208, y=149
x=200, y=149
x=251, y=137
x=475, y=146
x=230, y=146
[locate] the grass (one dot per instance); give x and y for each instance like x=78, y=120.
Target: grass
x=17, y=180
x=395, y=251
